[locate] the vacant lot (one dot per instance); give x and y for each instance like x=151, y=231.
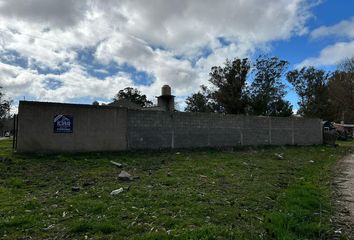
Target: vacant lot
x=202, y=194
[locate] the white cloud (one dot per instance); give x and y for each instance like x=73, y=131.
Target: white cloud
x=337, y=52
x=61, y=13
x=77, y=83
x=331, y=55
x=165, y=39
x=342, y=29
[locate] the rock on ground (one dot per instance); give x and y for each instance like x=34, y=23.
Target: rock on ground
x=125, y=176
x=117, y=191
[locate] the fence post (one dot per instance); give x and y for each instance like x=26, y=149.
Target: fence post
x=172, y=131
x=270, y=131
x=241, y=129
x=321, y=129
x=292, y=132
x=14, y=133
x=173, y=138
x=126, y=127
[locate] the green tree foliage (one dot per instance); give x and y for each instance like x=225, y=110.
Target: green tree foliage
x=229, y=83
x=4, y=105
x=229, y=92
x=133, y=95
x=321, y=94
x=279, y=108
x=311, y=85
x=267, y=90
x=341, y=92
x=200, y=101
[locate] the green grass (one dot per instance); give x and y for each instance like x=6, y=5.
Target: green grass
x=200, y=194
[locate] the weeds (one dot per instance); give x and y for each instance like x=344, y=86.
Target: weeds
x=198, y=194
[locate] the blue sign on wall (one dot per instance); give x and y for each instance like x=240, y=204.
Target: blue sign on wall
x=63, y=124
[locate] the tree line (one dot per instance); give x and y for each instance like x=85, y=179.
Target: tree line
x=258, y=88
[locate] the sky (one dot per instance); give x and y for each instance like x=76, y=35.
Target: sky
x=79, y=51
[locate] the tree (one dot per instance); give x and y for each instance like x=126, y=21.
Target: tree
x=133, y=95
x=200, y=101
x=341, y=92
x=4, y=106
x=347, y=65
x=280, y=108
x=311, y=85
x=95, y=103
x=229, y=83
x=267, y=90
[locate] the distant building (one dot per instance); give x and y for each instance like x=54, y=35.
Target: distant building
x=347, y=130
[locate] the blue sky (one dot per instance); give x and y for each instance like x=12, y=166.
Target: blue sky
x=326, y=13
x=81, y=51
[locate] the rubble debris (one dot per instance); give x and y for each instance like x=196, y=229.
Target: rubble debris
x=125, y=176
x=117, y=164
x=49, y=227
x=117, y=191
x=280, y=156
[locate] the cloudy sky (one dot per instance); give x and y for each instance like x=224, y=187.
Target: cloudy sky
x=84, y=50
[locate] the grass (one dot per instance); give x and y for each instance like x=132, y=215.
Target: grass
x=200, y=194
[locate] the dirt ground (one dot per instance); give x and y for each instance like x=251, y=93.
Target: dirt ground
x=343, y=187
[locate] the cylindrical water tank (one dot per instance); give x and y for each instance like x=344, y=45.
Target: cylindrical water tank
x=165, y=90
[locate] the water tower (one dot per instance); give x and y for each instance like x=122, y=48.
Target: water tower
x=166, y=101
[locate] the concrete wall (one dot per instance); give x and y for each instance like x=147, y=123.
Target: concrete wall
x=104, y=128
x=95, y=128
x=148, y=130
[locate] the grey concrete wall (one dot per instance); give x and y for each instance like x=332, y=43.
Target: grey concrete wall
x=105, y=128
x=154, y=130
x=149, y=129
x=95, y=128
